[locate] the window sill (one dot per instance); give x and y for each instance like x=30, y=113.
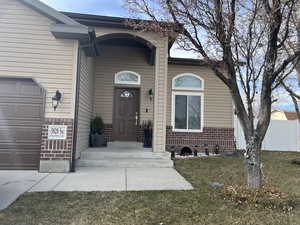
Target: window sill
x=187, y=131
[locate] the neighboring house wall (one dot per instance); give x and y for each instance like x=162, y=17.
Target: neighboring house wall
x=278, y=115
x=218, y=113
x=86, y=102
x=28, y=49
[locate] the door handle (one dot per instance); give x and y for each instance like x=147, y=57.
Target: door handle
x=136, y=118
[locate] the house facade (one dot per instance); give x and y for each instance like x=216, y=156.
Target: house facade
x=60, y=70
x=283, y=115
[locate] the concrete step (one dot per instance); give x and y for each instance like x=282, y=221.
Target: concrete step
x=126, y=163
x=125, y=145
x=94, y=155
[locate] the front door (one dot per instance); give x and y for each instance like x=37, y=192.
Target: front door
x=126, y=114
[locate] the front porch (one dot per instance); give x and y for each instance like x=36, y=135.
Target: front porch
x=122, y=85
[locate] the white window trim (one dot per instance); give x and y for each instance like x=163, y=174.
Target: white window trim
x=174, y=93
x=127, y=82
x=187, y=88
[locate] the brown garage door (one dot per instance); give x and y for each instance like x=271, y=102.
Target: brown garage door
x=21, y=113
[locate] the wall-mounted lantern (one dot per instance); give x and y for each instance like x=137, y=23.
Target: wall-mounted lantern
x=56, y=99
x=151, y=94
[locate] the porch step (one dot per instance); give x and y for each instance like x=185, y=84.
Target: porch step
x=95, y=154
x=124, y=155
x=124, y=145
x=126, y=163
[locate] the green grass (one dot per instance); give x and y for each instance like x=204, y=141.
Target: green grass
x=205, y=205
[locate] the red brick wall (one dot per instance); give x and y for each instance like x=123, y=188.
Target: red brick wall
x=57, y=149
x=108, y=132
x=224, y=137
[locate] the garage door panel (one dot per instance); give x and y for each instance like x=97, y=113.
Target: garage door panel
x=28, y=89
x=20, y=111
x=15, y=147
x=21, y=114
x=19, y=160
x=20, y=123
x=20, y=134
x=19, y=87
x=20, y=99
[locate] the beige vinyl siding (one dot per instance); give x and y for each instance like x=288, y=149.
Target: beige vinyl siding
x=114, y=59
x=28, y=49
x=218, y=109
x=85, y=110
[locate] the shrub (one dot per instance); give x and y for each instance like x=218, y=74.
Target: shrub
x=97, y=125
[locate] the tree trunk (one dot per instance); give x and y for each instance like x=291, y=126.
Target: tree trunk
x=253, y=162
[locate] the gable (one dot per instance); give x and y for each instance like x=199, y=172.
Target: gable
x=49, y=12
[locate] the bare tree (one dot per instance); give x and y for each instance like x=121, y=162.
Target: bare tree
x=249, y=45
x=294, y=96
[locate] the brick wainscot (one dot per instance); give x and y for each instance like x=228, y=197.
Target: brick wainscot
x=224, y=137
x=56, y=155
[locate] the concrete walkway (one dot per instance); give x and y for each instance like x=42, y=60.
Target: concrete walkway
x=15, y=183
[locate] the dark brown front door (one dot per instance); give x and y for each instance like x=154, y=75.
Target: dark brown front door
x=126, y=114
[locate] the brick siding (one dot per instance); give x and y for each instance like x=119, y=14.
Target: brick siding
x=108, y=132
x=57, y=149
x=224, y=137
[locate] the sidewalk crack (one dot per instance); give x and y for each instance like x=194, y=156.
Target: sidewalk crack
x=37, y=183
x=126, y=188
x=61, y=180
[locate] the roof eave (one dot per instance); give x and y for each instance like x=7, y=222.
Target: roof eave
x=72, y=32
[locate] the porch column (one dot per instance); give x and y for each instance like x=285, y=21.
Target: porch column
x=160, y=100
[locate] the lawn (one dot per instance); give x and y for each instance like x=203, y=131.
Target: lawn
x=205, y=205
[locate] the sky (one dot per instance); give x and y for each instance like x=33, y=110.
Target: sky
x=115, y=8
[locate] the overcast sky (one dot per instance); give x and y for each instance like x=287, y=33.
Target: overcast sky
x=115, y=8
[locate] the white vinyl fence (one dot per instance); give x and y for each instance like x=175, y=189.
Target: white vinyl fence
x=282, y=135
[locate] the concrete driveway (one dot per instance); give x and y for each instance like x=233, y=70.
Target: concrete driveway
x=15, y=183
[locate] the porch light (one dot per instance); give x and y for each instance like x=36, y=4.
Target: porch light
x=151, y=94
x=56, y=99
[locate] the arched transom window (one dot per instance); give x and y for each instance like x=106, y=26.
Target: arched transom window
x=187, y=103
x=188, y=81
x=127, y=77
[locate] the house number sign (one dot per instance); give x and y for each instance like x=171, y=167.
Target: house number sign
x=57, y=132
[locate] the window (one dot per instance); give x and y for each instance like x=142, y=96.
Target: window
x=187, y=111
x=188, y=81
x=126, y=94
x=127, y=77
x=187, y=103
